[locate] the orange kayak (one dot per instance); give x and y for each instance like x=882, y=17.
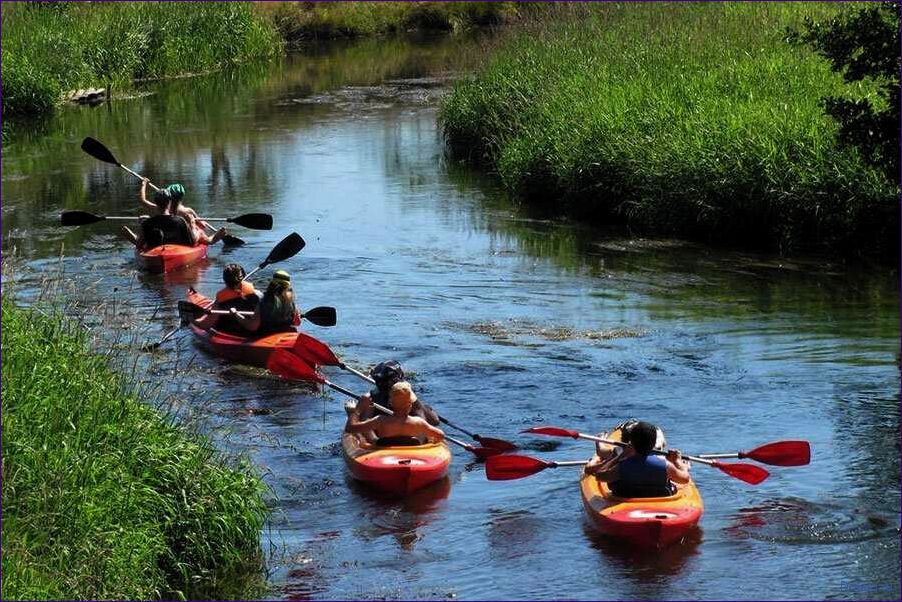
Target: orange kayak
x=398, y=470
x=253, y=351
x=648, y=522
x=167, y=258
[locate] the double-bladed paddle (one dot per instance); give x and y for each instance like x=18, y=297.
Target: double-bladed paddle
x=512, y=466
x=256, y=221
x=744, y=472
x=318, y=353
x=778, y=453
x=287, y=365
x=321, y=316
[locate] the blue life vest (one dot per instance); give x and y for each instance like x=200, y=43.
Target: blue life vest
x=642, y=477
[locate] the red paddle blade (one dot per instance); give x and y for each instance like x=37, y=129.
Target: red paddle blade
x=552, y=431
x=507, y=468
x=288, y=365
x=499, y=445
x=314, y=351
x=484, y=452
x=781, y=453
x=749, y=473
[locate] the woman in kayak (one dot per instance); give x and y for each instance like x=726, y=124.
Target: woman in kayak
x=637, y=472
x=238, y=293
x=276, y=311
x=400, y=425
x=386, y=374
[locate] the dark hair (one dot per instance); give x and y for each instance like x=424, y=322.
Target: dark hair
x=643, y=436
x=386, y=374
x=232, y=275
x=161, y=199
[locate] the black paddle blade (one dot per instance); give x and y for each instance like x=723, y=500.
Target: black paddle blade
x=188, y=312
x=254, y=221
x=79, y=218
x=232, y=241
x=321, y=316
x=289, y=246
x=97, y=150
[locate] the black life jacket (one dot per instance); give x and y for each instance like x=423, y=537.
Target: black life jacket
x=166, y=230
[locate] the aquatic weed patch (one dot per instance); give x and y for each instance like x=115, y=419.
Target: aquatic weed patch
x=102, y=497
x=512, y=329
x=691, y=119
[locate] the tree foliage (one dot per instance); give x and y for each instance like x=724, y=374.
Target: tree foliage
x=864, y=44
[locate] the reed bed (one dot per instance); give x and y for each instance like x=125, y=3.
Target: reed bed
x=52, y=47
x=104, y=498
x=690, y=119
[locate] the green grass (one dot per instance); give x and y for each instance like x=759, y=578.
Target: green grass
x=103, y=498
x=688, y=119
x=299, y=21
x=50, y=48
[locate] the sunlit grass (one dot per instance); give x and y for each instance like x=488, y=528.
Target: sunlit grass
x=696, y=119
x=102, y=497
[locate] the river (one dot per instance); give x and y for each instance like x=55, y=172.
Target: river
x=503, y=319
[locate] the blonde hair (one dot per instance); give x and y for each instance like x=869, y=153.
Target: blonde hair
x=401, y=397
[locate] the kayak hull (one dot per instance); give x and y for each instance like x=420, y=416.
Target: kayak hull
x=168, y=258
x=397, y=470
x=253, y=351
x=646, y=522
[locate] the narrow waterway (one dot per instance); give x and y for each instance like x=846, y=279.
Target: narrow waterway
x=502, y=319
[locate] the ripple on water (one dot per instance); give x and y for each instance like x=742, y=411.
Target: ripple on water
x=798, y=521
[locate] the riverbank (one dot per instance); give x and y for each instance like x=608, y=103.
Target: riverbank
x=50, y=49
x=102, y=497
x=695, y=120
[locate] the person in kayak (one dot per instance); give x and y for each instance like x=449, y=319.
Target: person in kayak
x=386, y=374
x=637, y=472
x=276, y=311
x=238, y=293
x=399, y=427
x=168, y=201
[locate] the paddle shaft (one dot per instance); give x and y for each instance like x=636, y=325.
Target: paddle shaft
x=385, y=410
x=657, y=452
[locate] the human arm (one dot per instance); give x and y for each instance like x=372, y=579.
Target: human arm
x=603, y=470
x=677, y=467
x=355, y=425
x=142, y=195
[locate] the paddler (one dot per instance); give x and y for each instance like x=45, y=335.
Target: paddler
x=400, y=424
x=238, y=293
x=637, y=472
x=168, y=201
x=386, y=374
x=276, y=311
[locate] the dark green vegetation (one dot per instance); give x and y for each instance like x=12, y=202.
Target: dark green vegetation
x=863, y=43
x=50, y=48
x=691, y=119
x=299, y=21
x=103, y=498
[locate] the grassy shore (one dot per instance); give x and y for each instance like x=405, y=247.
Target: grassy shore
x=103, y=498
x=302, y=21
x=50, y=48
x=688, y=119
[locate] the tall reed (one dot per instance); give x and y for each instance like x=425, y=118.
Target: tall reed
x=694, y=119
x=103, y=498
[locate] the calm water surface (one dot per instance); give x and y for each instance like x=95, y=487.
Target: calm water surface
x=504, y=320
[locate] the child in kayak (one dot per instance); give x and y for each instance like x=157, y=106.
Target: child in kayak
x=400, y=425
x=237, y=293
x=637, y=472
x=386, y=374
x=276, y=311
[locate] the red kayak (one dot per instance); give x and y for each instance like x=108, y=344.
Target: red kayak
x=167, y=258
x=397, y=470
x=250, y=350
